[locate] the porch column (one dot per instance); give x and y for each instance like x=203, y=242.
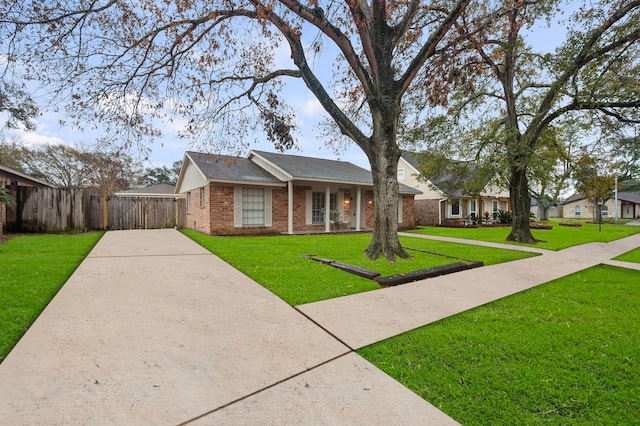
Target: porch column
x=358, y=207
x=290, y=207
x=327, y=209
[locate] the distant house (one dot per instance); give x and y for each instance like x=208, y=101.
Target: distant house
x=435, y=206
x=10, y=180
x=268, y=193
x=160, y=190
x=578, y=207
x=554, y=211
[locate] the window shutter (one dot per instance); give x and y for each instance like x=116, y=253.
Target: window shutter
x=237, y=207
x=308, y=211
x=268, y=208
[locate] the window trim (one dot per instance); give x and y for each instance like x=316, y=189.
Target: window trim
x=317, y=213
x=455, y=202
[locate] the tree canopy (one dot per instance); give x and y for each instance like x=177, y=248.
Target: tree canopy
x=508, y=94
x=222, y=65
x=217, y=63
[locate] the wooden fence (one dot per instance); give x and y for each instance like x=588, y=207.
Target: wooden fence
x=56, y=209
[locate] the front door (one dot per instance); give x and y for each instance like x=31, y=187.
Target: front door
x=627, y=211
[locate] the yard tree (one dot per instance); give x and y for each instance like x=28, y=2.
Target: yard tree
x=162, y=174
x=594, y=180
x=216, y=62
x=510, y=93
x=70, y=167
x=16, y=104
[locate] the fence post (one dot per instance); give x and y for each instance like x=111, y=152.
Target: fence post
x=105, y=212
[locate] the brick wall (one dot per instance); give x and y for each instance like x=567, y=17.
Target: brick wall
x=408, y=213
x=426, y=212
x=216, y=217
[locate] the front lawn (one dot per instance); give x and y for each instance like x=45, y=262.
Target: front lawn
x=558, y=238
x=276, y=262
x=32, y=270
x=563, y=353
x=630, y=256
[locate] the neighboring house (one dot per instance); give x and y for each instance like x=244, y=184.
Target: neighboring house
x=578, y=207
x=160, y=190
x=435, y=207
x=555, y=211
x=269, y=193
x=11, y=179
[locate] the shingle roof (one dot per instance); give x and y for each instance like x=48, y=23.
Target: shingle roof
x=309, y=168
x=226, y=168
x=323, y=170
x=15, y=173
x=633, y=197
x=158, y=190
x=451, y=182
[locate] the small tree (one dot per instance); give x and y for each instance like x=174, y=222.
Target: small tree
x=595, y=180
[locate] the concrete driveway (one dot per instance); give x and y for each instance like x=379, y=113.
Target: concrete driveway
x=153, y=329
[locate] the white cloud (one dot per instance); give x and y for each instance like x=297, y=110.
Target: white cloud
x=312, y=108
x=35, y=138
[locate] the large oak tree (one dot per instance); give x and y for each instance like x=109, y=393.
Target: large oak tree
x=214, y=61
x=509, y=93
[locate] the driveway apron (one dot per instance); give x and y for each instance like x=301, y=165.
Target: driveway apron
x=153, y=329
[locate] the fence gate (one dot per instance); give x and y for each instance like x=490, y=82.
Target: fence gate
x=141, y=213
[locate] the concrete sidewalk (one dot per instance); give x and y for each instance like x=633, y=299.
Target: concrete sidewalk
x=153, y=329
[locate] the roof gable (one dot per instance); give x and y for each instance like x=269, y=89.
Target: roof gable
x=229, y=169
x=453, y=182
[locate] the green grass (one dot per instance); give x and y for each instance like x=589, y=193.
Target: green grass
x=276, y=262
x=558, y=238
x=630, y=256
x=564, y=353
x=32, y=270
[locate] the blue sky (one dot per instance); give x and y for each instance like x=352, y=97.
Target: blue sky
x=171, y=148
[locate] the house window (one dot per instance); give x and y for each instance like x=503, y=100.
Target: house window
x=473, y=207
x=400, y=175
x=454, y=208
x=252, y=206
x=202, y=197
x=189, y=202
x=318, y=206
x=604, y=211
x=577, y=211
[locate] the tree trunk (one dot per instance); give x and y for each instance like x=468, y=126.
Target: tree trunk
x=521, y=205
x=384, y=241
x=383, y=155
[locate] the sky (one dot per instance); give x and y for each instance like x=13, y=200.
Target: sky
x=171, y=148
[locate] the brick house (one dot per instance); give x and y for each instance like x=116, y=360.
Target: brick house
x=270, y=193
x=434, y=206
